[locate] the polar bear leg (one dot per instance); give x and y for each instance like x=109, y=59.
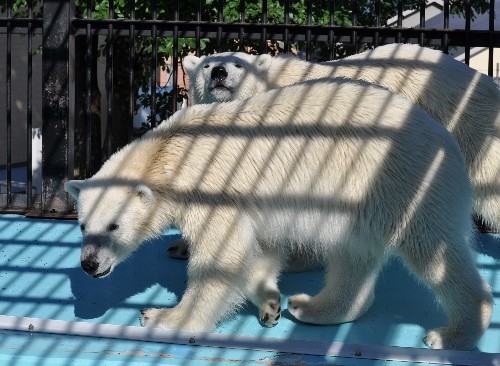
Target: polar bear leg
x=202, y=306
x=222, y=250
x=449, y=269
x=347, y=294
x=263, y=289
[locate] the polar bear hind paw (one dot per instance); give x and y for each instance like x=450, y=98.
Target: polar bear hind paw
x=318, y=310
x=176, y=318
x=300, y=306
x=165, y=318
x=270, y=313
x=444, y=338
x=152, y=318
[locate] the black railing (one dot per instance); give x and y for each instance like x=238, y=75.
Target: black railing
x=73, y=148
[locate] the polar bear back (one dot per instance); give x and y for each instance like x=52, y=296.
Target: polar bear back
x=462, y=99
x=320, y=156
x=431, y=79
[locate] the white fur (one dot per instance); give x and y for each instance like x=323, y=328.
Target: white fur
x=465, y=101
x=309, y=168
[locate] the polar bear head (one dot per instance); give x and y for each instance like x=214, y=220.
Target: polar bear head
x=115, y=218
x=226, y=76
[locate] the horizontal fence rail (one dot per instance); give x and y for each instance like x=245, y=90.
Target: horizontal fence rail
x=85, y=75
x=280, y=32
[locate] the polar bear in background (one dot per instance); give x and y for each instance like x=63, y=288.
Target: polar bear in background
x=233, y=79
x=465, y=101
x=348, y=180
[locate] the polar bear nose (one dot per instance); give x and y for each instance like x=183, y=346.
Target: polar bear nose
x=219, y=73
x=89, y=265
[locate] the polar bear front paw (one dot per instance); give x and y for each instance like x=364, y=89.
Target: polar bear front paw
x=270, y=312
x=445, y=338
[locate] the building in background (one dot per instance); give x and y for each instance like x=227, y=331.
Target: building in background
x=434, y=19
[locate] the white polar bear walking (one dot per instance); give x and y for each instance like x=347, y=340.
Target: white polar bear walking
x=463, y=100
x=349, y=180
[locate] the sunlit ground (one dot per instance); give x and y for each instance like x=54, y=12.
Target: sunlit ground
x=40, y=277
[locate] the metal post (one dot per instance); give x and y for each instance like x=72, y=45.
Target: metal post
x=55, y=105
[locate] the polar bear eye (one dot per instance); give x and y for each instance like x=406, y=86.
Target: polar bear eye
x=113, y=227
x=82, y=227
x=238, y=66
x=206, y=66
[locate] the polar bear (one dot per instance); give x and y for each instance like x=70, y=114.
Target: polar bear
x=465, y=101
x=351, y=181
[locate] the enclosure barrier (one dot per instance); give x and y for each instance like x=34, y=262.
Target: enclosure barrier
x=55, y=28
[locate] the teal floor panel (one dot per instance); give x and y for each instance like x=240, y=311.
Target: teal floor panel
x=40, y=277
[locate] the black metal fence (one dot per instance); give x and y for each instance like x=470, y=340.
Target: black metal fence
x=72, y=79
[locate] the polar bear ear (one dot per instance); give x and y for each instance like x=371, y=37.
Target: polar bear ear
x=263, y=62
x=189, y=63
x=145, y=193
x=74, y=187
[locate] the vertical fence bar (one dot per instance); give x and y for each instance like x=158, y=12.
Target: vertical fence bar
x=175, y=58
x=197, y=33
x=109, y=80
x=263, y=38
x=491, y=29
x=154, y=61
x=446, y=22
x=331, y=32
x=377, y=22
x=29, y=110
x=241, y=10
x=422, y=4
x=399, y=21
x=220, y=19
x=354, y=34
x=8, y=78
x=468, y=16
x=131, y=71
x=55, y=104
x=286, y=32
x=263, y=35
x=308, y=31
x=71, y=88
x=88, y=99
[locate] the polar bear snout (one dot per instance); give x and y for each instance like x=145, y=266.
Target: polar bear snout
x=97, y=261
x=92, y=266
x=219, y=73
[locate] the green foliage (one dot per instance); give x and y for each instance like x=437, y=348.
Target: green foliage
x=19, y=8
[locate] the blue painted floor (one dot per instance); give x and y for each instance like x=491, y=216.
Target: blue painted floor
x=40, y=277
